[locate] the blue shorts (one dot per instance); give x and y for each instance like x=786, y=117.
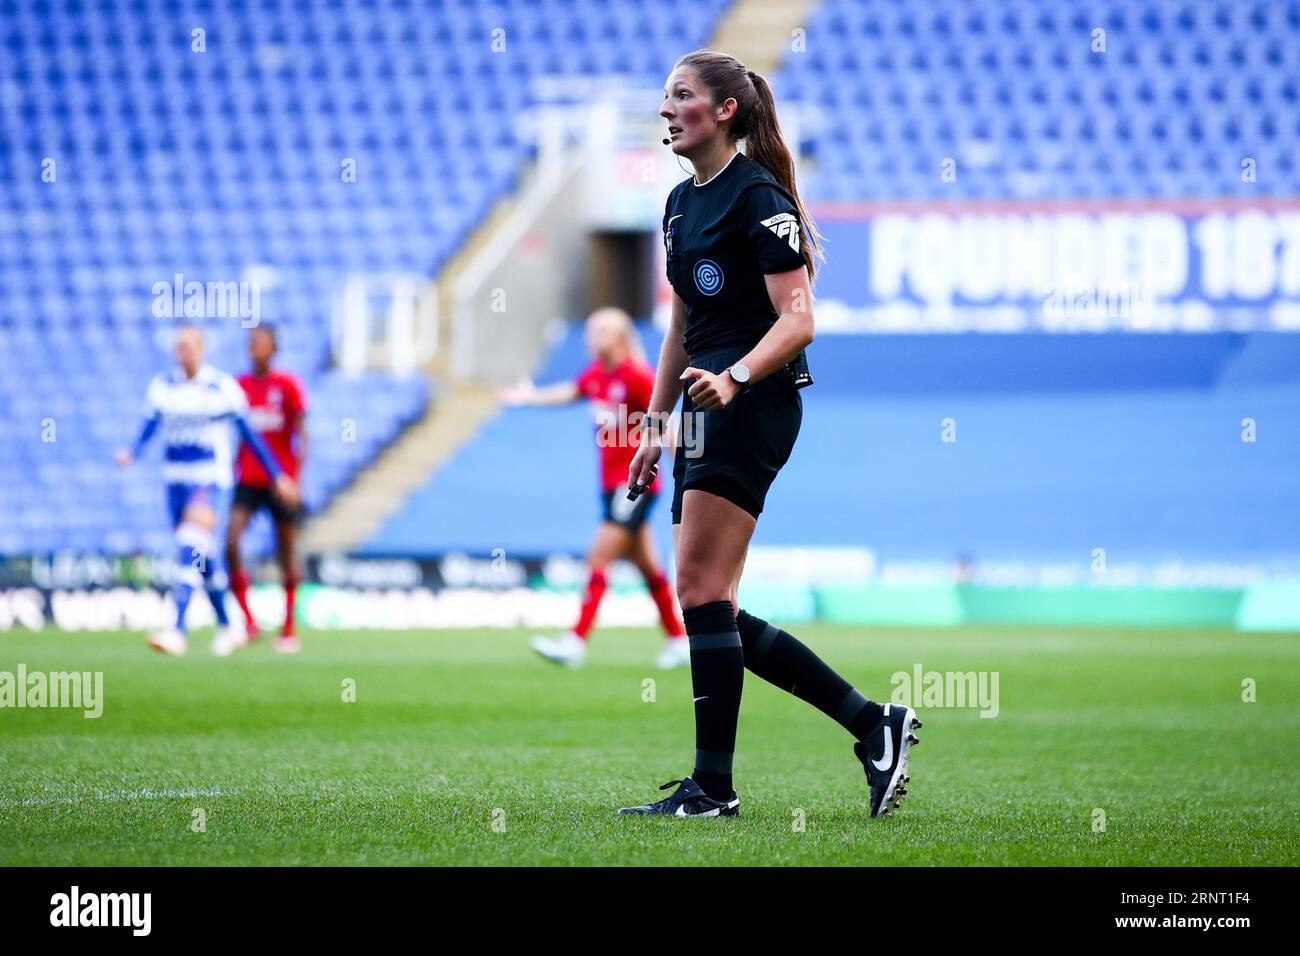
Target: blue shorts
x=181, y=495
x=628, y=515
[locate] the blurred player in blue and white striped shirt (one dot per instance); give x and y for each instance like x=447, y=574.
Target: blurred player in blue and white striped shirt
x=195, y=405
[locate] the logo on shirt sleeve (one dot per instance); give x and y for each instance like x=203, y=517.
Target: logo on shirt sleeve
x=786, y=226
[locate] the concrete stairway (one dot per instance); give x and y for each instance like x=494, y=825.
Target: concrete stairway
x=457, y=410
x=358, y=511
x=758, y=32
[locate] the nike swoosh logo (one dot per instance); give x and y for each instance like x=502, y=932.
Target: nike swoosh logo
x=887, y=760
x=698, y=699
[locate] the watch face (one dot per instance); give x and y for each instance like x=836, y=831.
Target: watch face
x=740, y=373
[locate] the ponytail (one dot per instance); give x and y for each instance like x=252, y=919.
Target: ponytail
x=765, y=144
x=756, y=123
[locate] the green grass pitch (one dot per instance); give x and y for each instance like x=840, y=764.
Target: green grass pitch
x=461, y=748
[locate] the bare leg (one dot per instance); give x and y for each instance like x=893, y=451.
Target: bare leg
x=712, y=542
x=610, y=544
x=286, y=544
x=239, y=518
x=642, y=554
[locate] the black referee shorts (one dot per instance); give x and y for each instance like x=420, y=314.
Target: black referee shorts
x=736, y=452
x=253, y=499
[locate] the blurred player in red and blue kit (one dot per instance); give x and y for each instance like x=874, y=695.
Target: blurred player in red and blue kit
x=194, y=406
x=618, y=382
x=277, y=409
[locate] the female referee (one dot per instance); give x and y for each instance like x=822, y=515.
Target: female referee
x=741, y=253
x=618, y=382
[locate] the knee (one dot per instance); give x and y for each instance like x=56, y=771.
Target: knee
x=202, y=516
x=696, y=586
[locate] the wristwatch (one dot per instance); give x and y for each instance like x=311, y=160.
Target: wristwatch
x=740, y=375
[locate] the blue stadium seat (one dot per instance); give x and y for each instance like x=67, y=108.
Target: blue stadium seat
x=1066, y=441
x=204, y=163
x=1172, y=73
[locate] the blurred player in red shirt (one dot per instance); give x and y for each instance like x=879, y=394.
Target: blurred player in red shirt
x=618, y=382
x=277, y=406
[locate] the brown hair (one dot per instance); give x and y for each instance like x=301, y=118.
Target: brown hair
x=756, y=123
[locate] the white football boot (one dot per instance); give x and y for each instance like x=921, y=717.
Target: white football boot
x=169, y=642
x=227, y=640
x=676, y=653
x=287, y=644
x=567, y=649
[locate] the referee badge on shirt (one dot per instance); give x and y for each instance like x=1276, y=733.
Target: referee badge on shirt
x=708, y=276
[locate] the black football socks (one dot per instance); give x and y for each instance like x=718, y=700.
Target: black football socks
x=780, y=659
x=717, y=676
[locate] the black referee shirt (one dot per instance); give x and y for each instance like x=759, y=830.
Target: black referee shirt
x=721, y=239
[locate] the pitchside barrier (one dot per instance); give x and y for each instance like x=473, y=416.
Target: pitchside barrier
x=458, y=591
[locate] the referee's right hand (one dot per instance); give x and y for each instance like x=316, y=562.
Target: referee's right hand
x=646, y=460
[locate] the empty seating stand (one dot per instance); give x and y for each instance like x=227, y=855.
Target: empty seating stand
x=291, y=142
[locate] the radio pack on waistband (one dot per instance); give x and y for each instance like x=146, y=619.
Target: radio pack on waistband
x=799, y=371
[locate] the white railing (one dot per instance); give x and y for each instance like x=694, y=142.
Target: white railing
x=385, y=321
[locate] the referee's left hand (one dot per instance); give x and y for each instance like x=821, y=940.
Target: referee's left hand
x=710, y=391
